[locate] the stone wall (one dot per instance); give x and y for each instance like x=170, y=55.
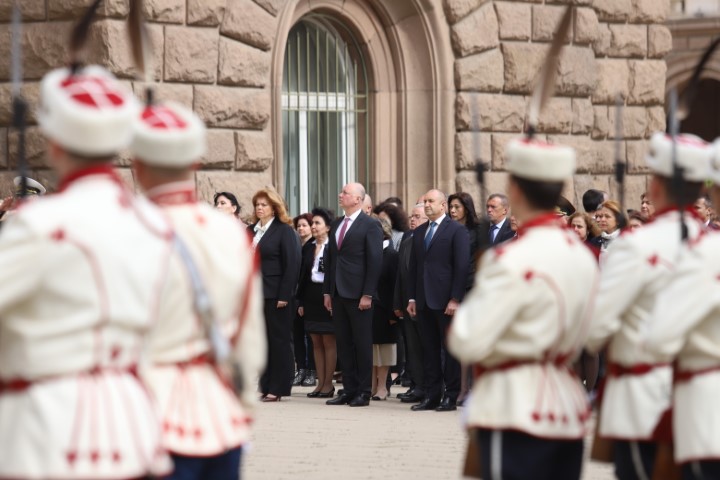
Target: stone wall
x=211, y=55
x=217, y=55
x=614, y=47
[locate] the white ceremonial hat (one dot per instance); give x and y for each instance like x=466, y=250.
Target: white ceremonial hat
x=168, y=135
x=533, y=159
x=693, y=156
x=33, y=187
x=89, y=113
x=714, y=167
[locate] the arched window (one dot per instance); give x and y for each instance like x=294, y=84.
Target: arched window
x=324, y=113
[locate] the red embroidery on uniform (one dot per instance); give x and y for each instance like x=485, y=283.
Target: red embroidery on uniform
x=115, y=352
x=116, y=457
x=58, y=235
x=201, y=220
x=124, y=200
x=653, y=260
x=197, y=433
x=71, y=457
x=94, y=456
x=166, y=426
x=529, y=275
x=180, y=431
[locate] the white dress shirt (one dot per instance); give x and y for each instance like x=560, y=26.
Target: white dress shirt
x=260, y=231
x=352, y=218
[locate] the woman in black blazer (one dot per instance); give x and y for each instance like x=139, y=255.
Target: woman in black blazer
x=318, y=322
x=279, y=251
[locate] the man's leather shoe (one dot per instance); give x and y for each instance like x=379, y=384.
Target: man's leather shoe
x=447, y=405
x=339, y=400
x=361, y=400
x=412, y=397
x=426, y=404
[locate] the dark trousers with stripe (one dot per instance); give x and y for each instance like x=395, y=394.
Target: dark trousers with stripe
x=225, y=466
x=701, y=470
x=634, y=460
x=513, y=455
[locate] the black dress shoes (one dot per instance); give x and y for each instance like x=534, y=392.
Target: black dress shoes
x=412, y=397
x=340, y=400
x=360, y=400
x=326, y=394
x=447, y=405
x=426, y=404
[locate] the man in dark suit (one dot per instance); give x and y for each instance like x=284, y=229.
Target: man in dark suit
x=439, y=265
x=353, y=269
x=497, y=211
x=410, y=327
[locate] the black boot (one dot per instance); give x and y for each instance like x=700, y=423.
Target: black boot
x=299, y=377
x=310, y=377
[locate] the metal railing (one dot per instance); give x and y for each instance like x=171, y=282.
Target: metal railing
x=325, y=107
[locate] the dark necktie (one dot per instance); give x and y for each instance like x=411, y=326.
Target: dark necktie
x=431, y=232
x=493, y=232
x=342, y=232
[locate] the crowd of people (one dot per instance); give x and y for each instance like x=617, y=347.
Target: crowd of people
x=411, y=305
x=408, y=343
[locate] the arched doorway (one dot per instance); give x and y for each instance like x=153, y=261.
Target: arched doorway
x=325, y=102
x=408, y=60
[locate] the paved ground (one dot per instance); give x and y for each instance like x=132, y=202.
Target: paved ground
x=302, y=438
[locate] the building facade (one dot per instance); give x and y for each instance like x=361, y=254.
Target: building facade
x=401, y=95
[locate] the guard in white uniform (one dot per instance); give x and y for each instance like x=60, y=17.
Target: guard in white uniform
x=523, y=325
x=635, y=407
x=684, y=327
x=80, y=272
x=204, y=421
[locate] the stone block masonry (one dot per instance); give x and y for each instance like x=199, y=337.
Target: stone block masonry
x=219, y=57
x=615, y=48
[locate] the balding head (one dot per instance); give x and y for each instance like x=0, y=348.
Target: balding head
x=367, y=204
x=435, y=203
x=351, y=198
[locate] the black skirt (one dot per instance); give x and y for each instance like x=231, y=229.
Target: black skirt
x=317, y=318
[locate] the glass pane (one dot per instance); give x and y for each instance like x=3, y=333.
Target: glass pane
x=324, y=136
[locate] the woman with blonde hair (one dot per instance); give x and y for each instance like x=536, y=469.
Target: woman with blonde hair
x=279, y=251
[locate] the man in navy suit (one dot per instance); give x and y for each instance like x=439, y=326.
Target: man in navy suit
x=439, y=266
x=497, y=212
x=351, y=277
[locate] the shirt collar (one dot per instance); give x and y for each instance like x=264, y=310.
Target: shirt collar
x=438, y=221
x=500, y=223
x=104, y=169
x=355, y=215
x=175, y=193
x=264, y=229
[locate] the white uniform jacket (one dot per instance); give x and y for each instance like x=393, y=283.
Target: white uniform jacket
x=636, y=398
x=80, y=272
x=686, y=326
x=201, y=415
x=522, y=326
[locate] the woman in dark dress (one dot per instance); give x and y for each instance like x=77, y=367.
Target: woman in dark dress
x=384, y=321
x=279, y=251
x=305, y=374
x=318, y=322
